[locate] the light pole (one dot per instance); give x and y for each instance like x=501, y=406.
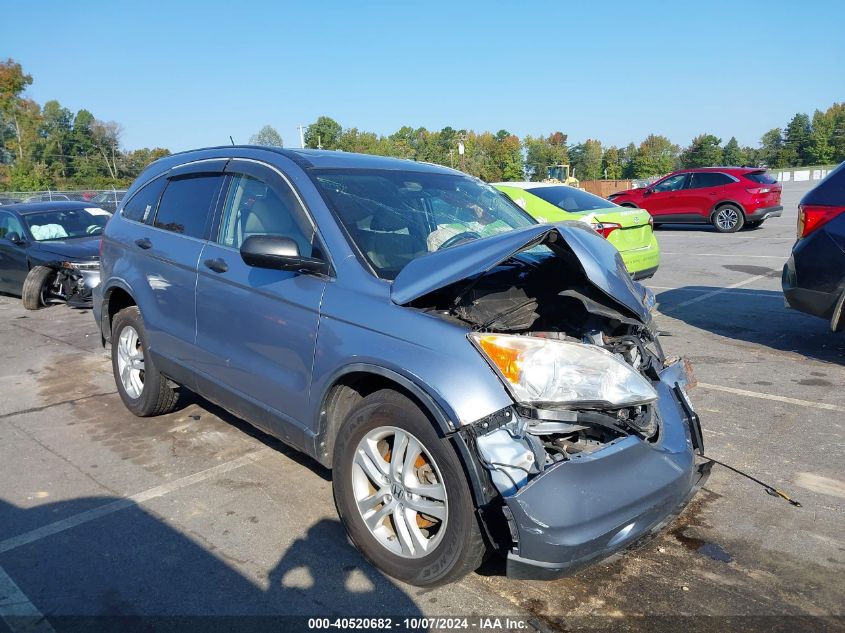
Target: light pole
x=301, y=137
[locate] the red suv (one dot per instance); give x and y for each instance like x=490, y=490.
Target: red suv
x=726, y=197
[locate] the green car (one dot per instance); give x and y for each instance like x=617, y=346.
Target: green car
x=629, y=230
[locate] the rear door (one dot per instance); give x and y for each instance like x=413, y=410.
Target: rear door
x=664, y=200
x=13, y=261
x=257, y=327
x=704, y=190
x=171, y=245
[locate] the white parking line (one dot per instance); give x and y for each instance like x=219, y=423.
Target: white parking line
x=744, y=293
x=713, y=293
x=768, y=396
x=738, y=255
x=95, y=513
x=17, y=611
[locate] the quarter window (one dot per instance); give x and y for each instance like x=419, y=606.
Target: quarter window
x=143, y=204
x=186, y=203
x=699, y=180
x=254, y=207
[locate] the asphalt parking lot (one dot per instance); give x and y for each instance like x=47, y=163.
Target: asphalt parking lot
x=196, y=514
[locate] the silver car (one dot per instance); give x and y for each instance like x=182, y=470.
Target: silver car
x=476, y=381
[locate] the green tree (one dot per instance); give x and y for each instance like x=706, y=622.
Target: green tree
x=542, y=153
x=733, y=155
x=772, y=149
x=819, y=146
x=796, y=140
x=656, y=155
x=612, y=164
x=585, y=159
x=13, y=81
x=57, y=131
x=267, y=135
x=324, y=132
x=704, y=151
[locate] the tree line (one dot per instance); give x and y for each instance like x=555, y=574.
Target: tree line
x=49, y=146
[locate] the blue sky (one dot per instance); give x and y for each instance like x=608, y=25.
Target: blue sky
x=189, y=74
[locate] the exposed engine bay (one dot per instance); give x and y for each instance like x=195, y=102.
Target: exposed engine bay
x=547, y=297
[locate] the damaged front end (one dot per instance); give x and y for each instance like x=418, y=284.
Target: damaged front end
x=597, y=450
x=73, y=283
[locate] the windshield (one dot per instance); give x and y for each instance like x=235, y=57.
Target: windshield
x=571, y=199
x=394, y=217
x=62, y=225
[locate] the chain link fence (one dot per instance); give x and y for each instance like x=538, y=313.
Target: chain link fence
x=107, y=199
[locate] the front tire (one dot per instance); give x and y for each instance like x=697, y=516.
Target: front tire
x=142, y=387
x=728, y=219
x=34, y=292
x=402, y=494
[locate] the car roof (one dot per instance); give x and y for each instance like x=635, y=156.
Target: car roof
x=727, y=170
x=36, y=207
x=305, y=158
x=530, y=185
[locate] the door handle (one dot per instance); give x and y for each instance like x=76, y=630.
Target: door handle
x=143, y=243
x=217, y=265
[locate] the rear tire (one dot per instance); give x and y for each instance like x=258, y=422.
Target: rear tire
x=728, y=219
x=446, y=543
x=35, y=286
x=754, y=225
x=141, y=386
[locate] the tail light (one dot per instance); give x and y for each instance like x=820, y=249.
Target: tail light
x=813, y=216
x=605, y=228
x=759, y=190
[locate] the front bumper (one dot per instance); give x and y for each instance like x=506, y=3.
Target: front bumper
x=586, y=509
x=81, y=288
x=763, y=214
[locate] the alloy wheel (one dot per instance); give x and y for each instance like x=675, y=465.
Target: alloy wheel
x=727, y=218
x=130, y=362
x=399, y=492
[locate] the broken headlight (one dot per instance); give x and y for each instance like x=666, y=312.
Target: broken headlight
x=92, y=265
x=556, y=372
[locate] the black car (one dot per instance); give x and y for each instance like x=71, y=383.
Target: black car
x=49, y=252
x=814, y=277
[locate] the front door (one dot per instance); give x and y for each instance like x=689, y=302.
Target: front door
x=665, y=201
x=257, y=327
x=13, y=262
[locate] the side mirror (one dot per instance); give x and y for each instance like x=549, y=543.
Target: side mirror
x=14, y=237
x=648, y=191
x=278, y=253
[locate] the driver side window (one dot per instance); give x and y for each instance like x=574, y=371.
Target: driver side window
x=9, y=224
x=253, y=207
x=672, y=183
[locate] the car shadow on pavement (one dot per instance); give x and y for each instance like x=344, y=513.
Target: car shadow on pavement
x=129, y=570
x=755, y=316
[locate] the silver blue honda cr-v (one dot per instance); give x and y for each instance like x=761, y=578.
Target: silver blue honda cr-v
x=477, y=381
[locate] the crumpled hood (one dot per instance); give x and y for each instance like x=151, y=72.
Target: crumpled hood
x=72, y=249
x=602, y=264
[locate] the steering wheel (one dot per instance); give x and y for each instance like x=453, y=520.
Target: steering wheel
x=457, y=239
x=94, y=229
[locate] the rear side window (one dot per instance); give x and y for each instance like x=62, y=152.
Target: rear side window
x=186, y=204
x=143, y=204
x=698, y=180
x=762, y=177
x=570, y=199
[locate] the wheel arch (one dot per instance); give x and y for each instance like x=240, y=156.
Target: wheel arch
x=723, y=203
x=351, y=384
x=115, y=298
